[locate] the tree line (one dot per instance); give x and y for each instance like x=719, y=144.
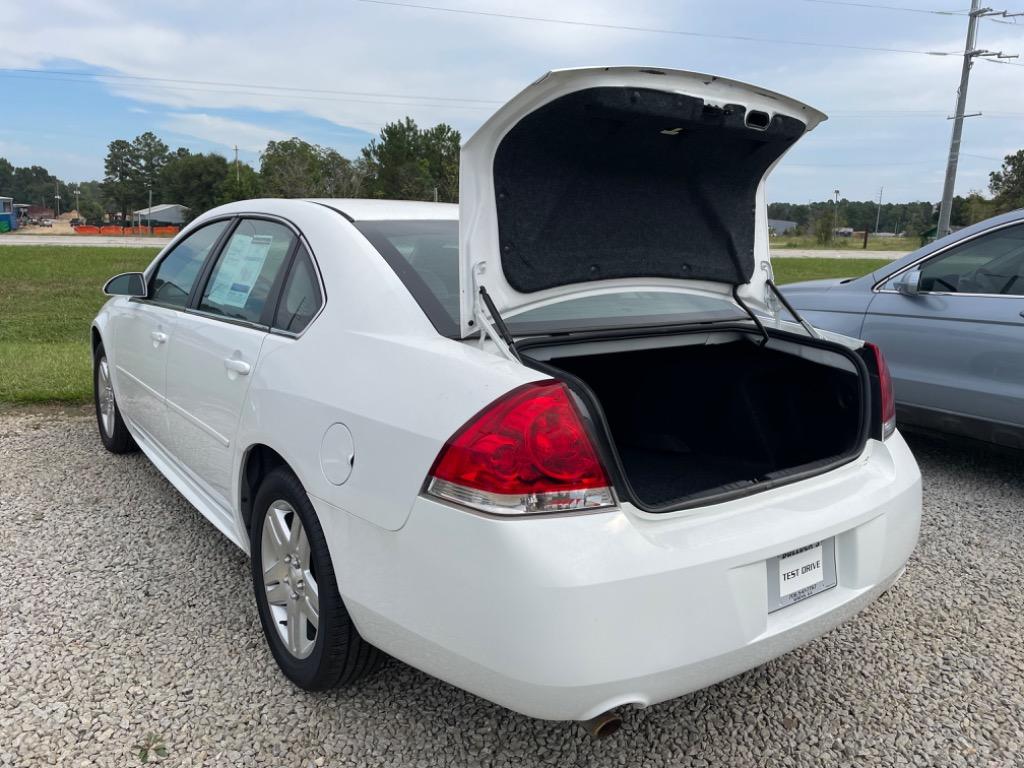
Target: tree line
x=916, y=219
x=404, y=162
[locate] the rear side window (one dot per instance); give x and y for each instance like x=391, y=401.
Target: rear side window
x=247, y=269
x=301, y=298
x=425, y=256
x=176, y=273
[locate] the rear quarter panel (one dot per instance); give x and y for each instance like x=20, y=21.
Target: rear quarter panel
x=373, y=362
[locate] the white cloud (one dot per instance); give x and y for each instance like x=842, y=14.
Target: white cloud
x=221, y=130
x=361, y=65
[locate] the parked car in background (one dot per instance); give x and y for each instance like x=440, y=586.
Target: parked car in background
x=538, y=444
x=950, y=319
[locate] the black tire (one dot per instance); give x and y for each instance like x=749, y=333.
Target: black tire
x=340, y=655
x=116, y=438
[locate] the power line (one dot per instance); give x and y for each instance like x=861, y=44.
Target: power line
x=163, y=86
x=984, y=157
x=900, y=114
x=784, y=163
x=1001, y=61
x=118, y=76
x=888, y=7
x=653, y=30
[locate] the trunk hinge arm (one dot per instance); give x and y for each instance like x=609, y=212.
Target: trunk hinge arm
x=492, y=325
x=811, y=330
x=751, y=314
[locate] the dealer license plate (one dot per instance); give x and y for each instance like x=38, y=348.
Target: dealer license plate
x=797, y=575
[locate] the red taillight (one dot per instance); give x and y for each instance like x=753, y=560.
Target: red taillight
x=888, y=404
x=526, y=453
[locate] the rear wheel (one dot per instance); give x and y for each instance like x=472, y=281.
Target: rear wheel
x=113, y=432
x=306, y=624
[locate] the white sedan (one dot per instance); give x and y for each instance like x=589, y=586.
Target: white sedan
x=556, y=445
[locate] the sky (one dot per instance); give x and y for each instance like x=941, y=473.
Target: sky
x=210, y=76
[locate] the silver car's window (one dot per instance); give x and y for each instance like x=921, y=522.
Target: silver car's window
x=990, y=264
x=176, y=274
x=246, y=270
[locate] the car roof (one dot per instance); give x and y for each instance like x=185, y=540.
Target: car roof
x=378, y=210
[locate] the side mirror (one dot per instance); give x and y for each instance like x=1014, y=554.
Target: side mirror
x=129, y=284
x=909, y=283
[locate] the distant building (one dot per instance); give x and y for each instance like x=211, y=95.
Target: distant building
x=166, y=213
x=8, y=219
x=780, y=227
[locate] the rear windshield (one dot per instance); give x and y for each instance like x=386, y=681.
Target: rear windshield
x=425, y=256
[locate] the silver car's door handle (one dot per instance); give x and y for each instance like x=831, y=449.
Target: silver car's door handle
x=240, y=367
x=158, y=336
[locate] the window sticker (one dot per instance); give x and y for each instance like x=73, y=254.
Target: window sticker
x=239, y=269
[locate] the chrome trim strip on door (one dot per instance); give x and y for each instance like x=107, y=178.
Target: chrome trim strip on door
x=199, y=423
x=141, y=383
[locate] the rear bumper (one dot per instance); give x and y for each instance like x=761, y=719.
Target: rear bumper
x=564, y=618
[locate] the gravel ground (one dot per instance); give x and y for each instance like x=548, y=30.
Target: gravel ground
x=126, y=618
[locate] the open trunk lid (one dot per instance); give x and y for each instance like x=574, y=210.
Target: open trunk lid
x=610, y=179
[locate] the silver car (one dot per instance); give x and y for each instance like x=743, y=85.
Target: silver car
x=950, y=319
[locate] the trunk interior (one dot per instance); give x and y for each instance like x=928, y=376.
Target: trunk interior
x=694, y=421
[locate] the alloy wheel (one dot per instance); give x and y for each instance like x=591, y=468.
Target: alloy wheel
x=105, y=398
x=288, y=579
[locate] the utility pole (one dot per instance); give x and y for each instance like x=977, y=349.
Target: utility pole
x=835, y=213
x=970, y=53
x=878, y=215
x=236, y=167
x=56, y=197
x=77, y=207
x=149, y=213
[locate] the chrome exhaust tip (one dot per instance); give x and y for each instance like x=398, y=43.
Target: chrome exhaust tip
x=602, y=726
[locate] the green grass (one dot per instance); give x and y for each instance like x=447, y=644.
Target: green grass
x=49, y=295
x=903, y=244
x=795, y=270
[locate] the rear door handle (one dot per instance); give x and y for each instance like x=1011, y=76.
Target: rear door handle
x=158, y=337
x=240, y=367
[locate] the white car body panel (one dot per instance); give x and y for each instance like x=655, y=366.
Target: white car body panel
x=204, y=407
x=139, y=361
x=479, y=250
x=559, y=616
x=571, y=616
